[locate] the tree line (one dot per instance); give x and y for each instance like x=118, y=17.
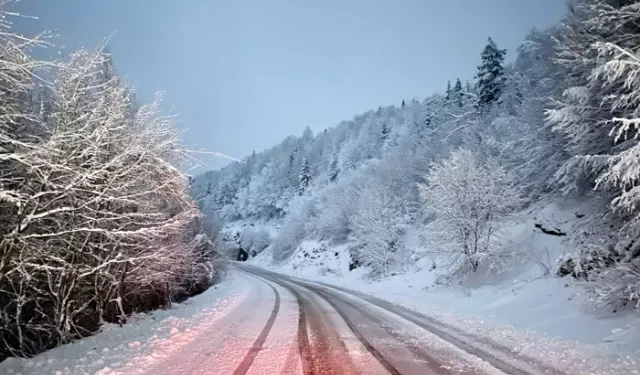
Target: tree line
x=560, y=120
x=96, y=219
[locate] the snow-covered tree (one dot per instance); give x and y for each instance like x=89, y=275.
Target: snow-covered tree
x=490, y=76
x=96, y=220
x=538, y=152
x=457, y=93
x=468, y=198
x=334, y=168
x=305, y=177
x=384, y=133
x=615, y=73
x=299, y=224
x=337, y=207
x=595, y=34
x=376, y=226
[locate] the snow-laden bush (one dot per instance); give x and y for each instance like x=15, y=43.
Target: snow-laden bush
x=616, y=288
x=469, y=199
x=254, y=241
x=298, y=224
x=338, y=206
x=377, y=227
x=611, y=274
x=592, y=260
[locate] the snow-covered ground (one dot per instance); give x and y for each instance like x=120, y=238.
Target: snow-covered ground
x=148, y=339
x=531, y=313
x=522, y=308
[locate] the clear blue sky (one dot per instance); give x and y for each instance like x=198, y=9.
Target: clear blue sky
x=244, y=74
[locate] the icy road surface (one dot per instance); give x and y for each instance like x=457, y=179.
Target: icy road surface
x=315, y=328
x=259, y=322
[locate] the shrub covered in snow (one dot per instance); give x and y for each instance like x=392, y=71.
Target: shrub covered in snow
x=592, y=260
x=616, y=288
x=254, y=241
x=298, y=224
x=469, y=198
x=377, y=228
x=611, y=273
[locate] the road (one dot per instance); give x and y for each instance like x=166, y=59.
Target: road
x=291, y=326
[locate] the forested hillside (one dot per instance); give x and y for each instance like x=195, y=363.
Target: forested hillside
x=96, y=220
x=559, y=120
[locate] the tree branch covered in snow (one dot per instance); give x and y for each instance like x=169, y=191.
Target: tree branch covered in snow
x=96, y=219
x=469, y=198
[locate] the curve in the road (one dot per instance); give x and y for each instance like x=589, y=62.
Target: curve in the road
x=370, y=348
x=247, y=361
x=438, y=329
x=303, y=337
x=527, y=365
x=315, y=360
x=336, y=304
x=327, y=357
x=320, y=361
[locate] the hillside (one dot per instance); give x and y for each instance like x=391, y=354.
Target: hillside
x=443, y=182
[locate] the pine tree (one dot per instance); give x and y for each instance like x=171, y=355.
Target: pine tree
x=292, y=159
x=448, y=93
x=403, y=104
x=334, y=169
x=208, y=189
x=490, y=78
x=305, y=177
x=458, y=94
x=384, y=132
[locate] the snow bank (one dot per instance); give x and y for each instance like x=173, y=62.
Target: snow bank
x=138, y=345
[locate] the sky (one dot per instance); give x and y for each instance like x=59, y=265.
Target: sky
x=244, y=74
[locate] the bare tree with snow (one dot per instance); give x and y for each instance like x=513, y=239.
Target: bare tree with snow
x=97, y=216
x=468, y=198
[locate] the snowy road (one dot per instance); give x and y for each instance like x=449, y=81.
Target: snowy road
x=258, y=322
x=291, y=326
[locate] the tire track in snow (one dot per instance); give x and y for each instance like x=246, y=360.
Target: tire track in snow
x=323, y=360
x=335, y=301
x=495, y=355
x=248, y=359
x=303, y=336
x=356, y=332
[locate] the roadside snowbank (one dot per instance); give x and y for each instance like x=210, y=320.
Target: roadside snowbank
x=141, y=343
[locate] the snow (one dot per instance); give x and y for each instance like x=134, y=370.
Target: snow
x=534, y=314
x=239, y=226
x=560, y=340
x=145, y=341
x=280, y=353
